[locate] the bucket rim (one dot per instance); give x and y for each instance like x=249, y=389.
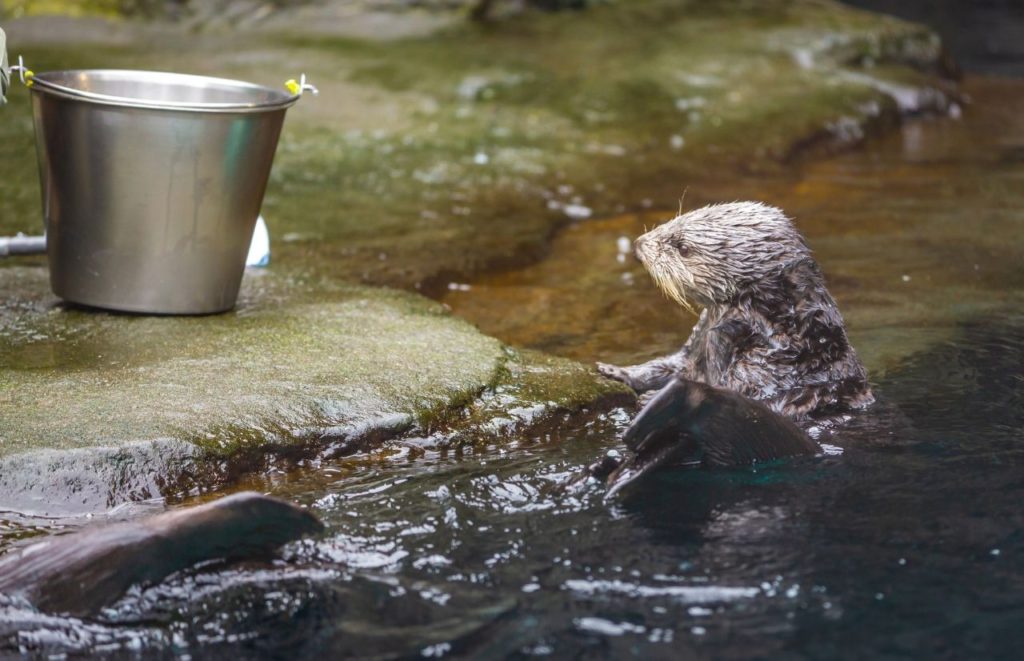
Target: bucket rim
x=41, y=84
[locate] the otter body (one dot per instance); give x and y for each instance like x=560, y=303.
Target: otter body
x=769, y=329
x=693, y=423
x=82, y=572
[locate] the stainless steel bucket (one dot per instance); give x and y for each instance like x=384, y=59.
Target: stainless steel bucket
x=151, y=184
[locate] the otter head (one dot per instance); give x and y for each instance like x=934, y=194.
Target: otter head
x=709, y=255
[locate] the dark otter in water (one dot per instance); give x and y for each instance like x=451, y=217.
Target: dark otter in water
x=82, y=572
x=769, y=348
x=692, y=423
x=769, y=329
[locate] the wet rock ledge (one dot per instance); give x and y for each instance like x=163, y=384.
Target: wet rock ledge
x=100, y=408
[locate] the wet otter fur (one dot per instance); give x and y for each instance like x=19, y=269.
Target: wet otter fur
x=769, y=328
x=693, y=423
x=82, y=572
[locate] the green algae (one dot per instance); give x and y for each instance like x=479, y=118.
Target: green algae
x=74, y=378
x=533, y=390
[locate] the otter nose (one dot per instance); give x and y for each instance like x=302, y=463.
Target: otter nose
x=638, y=246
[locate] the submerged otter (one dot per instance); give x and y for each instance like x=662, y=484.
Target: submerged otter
x=769, y=329
x=769, y=349
x=82, y=572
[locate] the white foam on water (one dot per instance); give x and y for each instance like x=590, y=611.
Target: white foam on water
x=606, y=627
x=685, y=593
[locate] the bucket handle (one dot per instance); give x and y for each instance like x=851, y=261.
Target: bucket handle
x=297, y=88
x=24, y=73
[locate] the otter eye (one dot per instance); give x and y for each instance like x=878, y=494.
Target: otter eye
x=684, y=250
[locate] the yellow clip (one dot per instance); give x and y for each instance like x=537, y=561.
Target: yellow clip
x=293, y=86
x=28, y=77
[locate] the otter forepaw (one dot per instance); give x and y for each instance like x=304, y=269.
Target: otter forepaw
x=616, y=373
x=644, y=399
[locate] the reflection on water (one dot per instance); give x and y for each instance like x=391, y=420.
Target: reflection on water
x=907, y=543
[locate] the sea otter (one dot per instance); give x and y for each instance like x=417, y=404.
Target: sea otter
x=769, y=328
x=768, y=351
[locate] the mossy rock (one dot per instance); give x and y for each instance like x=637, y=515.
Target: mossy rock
x=110, y=404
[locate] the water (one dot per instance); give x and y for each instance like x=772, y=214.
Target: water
x=907, y=543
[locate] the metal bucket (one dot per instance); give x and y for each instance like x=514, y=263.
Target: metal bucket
x=151, y=184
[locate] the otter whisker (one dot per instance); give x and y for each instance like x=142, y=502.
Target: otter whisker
x=686, y=304
x=671, y=287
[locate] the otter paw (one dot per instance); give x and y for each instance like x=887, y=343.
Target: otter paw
x=615, y=372
x=644, y=399
x=606, y=465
